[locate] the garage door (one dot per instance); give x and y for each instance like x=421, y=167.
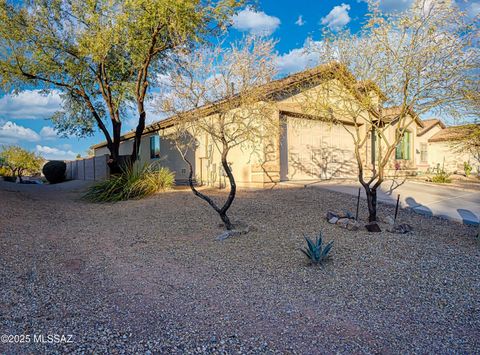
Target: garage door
x=315, y=150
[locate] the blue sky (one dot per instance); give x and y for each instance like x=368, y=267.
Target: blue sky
x=24, y=117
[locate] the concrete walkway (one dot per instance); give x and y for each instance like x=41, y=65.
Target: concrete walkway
x=453, y=203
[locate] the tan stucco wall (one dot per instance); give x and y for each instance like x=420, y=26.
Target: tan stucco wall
x=442, y=154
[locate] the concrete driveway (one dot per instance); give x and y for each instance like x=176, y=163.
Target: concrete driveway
x=453, y=203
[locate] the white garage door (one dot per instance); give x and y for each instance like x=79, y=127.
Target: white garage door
x=315, y=150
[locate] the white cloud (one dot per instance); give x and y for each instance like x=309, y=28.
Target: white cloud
x=48, y=132
x=29, y=104
x=52, y=153
x=255, y=22
x=298, y=59
x=11, y=133
x=300, y=22
x=337, y=18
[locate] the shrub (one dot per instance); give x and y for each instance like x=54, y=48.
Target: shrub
x=467, y=167
x=317, y=252
x=134, y=182
x=441, y=177
x=54, y=171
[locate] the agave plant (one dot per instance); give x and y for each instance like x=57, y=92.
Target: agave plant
x=317, y=252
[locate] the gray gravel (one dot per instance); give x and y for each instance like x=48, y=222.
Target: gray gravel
x=149, y=277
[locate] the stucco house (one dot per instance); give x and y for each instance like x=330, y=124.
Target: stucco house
x=306, y=148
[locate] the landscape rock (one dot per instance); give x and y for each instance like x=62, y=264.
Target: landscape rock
x=353, y=225
x=343, y=222
x=333, y=220
x=345, y=214
x=331, y=214
x=389, y=220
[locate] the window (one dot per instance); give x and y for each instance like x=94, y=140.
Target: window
x=402, y=151
x=154, y=147
x=424, y=152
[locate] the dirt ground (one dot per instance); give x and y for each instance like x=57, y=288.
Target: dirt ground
x=149, y=277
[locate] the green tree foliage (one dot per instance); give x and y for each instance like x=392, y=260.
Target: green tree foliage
x=20, y=161
x=101, y=55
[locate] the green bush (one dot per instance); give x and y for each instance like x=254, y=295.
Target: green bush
x=134, y=182
x=467, y=167
x=316, y=251
x=441, y=177
x=54, y=171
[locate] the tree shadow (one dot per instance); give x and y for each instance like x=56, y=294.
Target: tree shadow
x=397, y=181
x=323, y=163
x=418, y=207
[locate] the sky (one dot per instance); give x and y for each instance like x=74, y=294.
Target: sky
x=24, y=117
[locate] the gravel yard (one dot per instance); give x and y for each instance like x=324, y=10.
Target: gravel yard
x=149, y=276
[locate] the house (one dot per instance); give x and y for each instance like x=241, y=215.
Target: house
x=436, y=148
x=307, y=147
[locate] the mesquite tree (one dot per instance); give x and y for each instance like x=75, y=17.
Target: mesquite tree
x=20, y=161
x=218, y=92
x=404, y=64
x=101, y=55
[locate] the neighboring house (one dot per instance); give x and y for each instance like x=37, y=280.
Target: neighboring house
x=441, y=149
x=306, y=149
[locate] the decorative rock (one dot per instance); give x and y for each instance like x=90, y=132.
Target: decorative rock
x=353, y=225
x=343, y=222
x=333, y=220
x=345, y=214
x=331, y=214
x=389, y=220
x=373, y=227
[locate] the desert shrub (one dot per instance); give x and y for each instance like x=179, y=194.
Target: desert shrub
x=134, y=182
x=54, y=171
x=316, y=251
x=467, y=167
x=441, y=177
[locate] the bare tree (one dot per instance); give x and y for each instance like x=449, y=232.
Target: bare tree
x=218, y=92
x=404, y=65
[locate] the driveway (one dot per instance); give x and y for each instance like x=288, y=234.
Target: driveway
x=453, y=203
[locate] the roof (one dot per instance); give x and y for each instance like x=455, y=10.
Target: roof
x=429, y=124
x=453, y=133
x=273, y=90
x=390, y=114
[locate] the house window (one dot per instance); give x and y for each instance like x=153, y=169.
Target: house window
x=402, y=151
x=154, y=147
x=424, y=152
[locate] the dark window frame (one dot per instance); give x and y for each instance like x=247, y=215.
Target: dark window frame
x=155, y=147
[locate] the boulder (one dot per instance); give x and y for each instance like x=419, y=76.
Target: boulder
x=388, y=220
x=343, y=222
x=345, y=214
x=353, y=225
x=331, y=214
x=333, y=220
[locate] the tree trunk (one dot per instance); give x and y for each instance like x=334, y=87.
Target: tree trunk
x=372, y=203
x=114, y=148
x=233, y=188
x=222, y=212
x=138, y=135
